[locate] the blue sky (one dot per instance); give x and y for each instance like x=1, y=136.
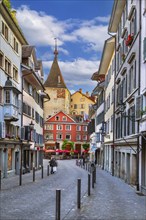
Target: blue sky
x=80, y=27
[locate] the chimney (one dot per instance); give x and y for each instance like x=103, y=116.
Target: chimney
x=80, y=90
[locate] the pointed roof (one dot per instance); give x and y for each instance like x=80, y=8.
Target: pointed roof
x=55, y=78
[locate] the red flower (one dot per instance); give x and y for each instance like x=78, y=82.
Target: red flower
x=129, y=39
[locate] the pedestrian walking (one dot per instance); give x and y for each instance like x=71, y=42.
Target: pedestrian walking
x=53, y=165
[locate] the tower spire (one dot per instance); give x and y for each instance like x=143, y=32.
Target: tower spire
x=55, y=51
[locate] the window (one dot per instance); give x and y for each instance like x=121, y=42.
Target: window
x=64, y=118
x=82, y=106
x=112, y=123
x=15, y=45
x=68, y=136
x=49, y=127
x=37, y=118
x=7, y=98
x=5, y=30
x=132, y=78
x=82, y=112
x=15, y=73
x=68, y=127
x=7, y=66
x=1, y=95
x=75, y=106
x=32, y=112
x=78, y=137
x=59, y=136
x=78, y=128
x=133, y=24
x=84, y=128
x=59, y=127
x=1, y=59
x=84, y=137
x=57, y=118
x=49, y=136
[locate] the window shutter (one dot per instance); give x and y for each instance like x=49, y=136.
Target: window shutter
x=144, y=49
x=138, y=104
x=22, y=133
x=2, y=129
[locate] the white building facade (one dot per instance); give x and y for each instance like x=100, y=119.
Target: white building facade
x=11, y=41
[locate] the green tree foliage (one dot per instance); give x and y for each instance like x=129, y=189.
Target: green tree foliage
x=86, y=146
x=7, y=4
x=65, y=143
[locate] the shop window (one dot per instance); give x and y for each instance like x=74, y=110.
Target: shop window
x=9, y=159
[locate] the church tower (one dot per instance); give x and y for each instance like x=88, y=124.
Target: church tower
x=56, y=88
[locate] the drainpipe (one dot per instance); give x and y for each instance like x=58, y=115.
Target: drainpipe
x=113, y=144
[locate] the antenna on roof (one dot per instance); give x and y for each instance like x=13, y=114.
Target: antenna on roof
x=55, y=51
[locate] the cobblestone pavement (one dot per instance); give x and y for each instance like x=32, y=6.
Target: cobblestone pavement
x=110, y=198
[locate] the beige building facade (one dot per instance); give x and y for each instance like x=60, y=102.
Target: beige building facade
x=80, y=103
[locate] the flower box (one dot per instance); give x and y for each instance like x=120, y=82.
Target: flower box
x=129, y=40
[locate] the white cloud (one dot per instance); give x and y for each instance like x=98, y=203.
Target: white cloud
x=40, y=29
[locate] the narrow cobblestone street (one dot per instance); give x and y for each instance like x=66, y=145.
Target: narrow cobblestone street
x=110, y=198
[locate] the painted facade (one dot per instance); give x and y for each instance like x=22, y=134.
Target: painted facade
x=62, y=127
x=80, y=103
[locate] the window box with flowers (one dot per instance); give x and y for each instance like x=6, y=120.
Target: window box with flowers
x=129, y=40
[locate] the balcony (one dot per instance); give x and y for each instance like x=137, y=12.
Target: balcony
x=11, y=112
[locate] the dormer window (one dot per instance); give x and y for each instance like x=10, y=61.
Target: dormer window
x=59, y=80
x=57, y=118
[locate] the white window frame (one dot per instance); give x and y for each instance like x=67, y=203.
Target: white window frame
x=59, y=136
x=69, y=136
x=59, y=127
x=68, y=127
x=78, y=128
x=84, y=128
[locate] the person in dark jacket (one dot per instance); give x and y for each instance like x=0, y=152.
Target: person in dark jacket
x=53, y=163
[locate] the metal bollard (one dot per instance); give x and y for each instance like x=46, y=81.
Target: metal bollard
x=79, y=194
x=0, y=179
x=89, y=181
x=95, y=174
x=20, y=177
x=92, y=179
x=58, y=203
x=33, y=174
x=48, y=170
x=42, y=172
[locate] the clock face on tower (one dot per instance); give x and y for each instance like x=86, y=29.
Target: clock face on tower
x=61, y=93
